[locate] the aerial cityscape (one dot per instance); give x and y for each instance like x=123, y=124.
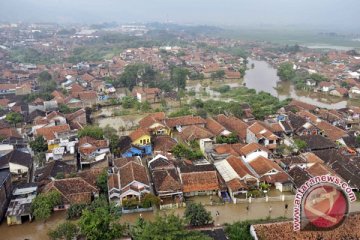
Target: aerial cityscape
x=179, y=120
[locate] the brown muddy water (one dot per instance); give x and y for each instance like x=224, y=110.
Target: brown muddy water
x=229, y=213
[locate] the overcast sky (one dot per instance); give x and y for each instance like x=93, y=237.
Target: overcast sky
x=324, y=13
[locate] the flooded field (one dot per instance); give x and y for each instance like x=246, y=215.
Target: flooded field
x=263, y=77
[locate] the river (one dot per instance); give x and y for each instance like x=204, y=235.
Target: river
x=263, y=77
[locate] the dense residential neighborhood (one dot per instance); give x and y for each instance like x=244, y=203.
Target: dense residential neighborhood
x=143, y=131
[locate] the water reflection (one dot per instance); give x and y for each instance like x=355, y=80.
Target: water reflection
x=263, y=77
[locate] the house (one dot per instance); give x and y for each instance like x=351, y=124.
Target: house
x=216, y=128
x=345, y=167
x=129, y=180
x=271, y=173
x=301, y=126
x=233, y=125
x=354, y=92
x=125, y=148
x=141, y=138
x=199, y=180
x=253, y=150
x=167, y=181
x=194, y=133
x=19, y=209
x=257, y=133
x=339, y=92
x=50, y=134
x=5, y=191
x=52, y=170
x=73, y=191
x=92, y=151
x=151, y=95
x=178, y=123
x=317, y=142
x=77, y=119
x=235, y=185
x=20, y=165
x=154, y=123
x=310, y=82
x=326, y=86
x=163, y=143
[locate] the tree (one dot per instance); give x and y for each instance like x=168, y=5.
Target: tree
x=75, y=211
x=14, y=118
x=232, y=138
x=128, y=102
x=40, y=158
x=300, y=144
x=197, y=215
x=149, y=200
x=91, y=131
x=164, y=228
x=66, y=230
x=100, y=221
x=178, y=77
x=39, y=144
x=110, y=133
x=218, y=74
x=285, y=71
x=46, y=83
x=101, y=182
x=44, y=203
x=239, y=230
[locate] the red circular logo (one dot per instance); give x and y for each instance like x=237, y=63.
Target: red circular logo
x=325, y=206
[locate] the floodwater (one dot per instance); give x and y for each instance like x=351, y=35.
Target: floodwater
x=263, y=77
x=228, y=213
x=32, y=231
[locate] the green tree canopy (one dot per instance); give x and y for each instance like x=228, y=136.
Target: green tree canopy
x=14, y=118
x=178, y=77
x=300, y=144
x=197, y=215
x=285, y=71
x=66, y=230
x=164, y=228
x=39, y=144
x=44, y=203
x=100, y=221
x=91, y=131
x=46, y=82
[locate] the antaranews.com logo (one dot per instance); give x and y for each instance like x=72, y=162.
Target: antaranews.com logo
x=322, y=203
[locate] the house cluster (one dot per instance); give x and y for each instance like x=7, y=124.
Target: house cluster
x=266, y=156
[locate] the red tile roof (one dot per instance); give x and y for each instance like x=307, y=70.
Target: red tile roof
x=49, y=132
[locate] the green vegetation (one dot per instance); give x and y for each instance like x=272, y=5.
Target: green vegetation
x=286, y=71
x=184, y=111
x=197, y=215
x=63, y=108
x=39, y=144
x=46, y=82
x=100, y=221
x=101, y=182
x=31, y=55
x=222, y=89
x=128, y=102
x=218, y=74
x=14, y=118
x=183, y=151
x=75, y=211
x=91, y=131
x=64, y=231
x=44, y=203
x=164, y=228
x=134, y=74
x=300, y=144
x=231, y=139
x=178, y=77
x=298, y=77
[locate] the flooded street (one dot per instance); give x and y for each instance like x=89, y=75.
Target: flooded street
x=229, y=213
